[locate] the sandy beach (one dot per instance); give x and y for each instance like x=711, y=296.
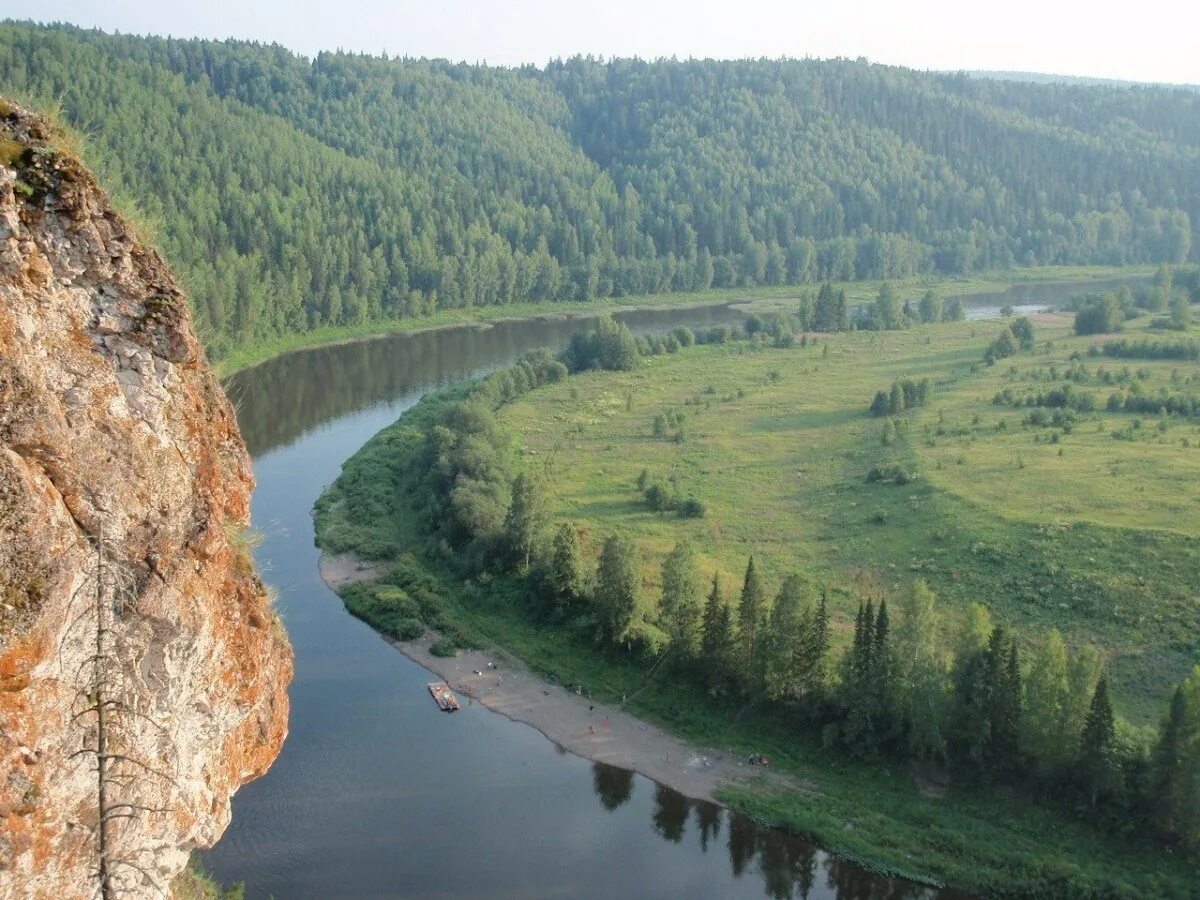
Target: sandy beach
x=593, y=730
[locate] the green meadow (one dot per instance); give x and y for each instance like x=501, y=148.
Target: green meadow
x=1095, y=534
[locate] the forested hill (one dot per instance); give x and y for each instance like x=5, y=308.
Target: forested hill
x=296, y=193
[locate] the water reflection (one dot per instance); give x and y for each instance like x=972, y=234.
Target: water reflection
x=790, y=867
x=286, y=397
x=614, y=786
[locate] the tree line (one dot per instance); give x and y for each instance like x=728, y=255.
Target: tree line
x=293, y=193
x=923, y=687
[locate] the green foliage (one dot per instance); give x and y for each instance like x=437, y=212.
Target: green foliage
x=1098, y=765
x=194, y=883
x=1102, y=316
x=717, y=649
x=751, y=613
x=1175, y=765
x=1152, y=349
x=1004, y=346
x=1181, y=312
x=525, y=519
x=566, y=570
x=618, y=587
x=955, y=311
x=681, y=590
x=906, y=393
x=288, y=205
x=666, y=496
x=609, y=345
x=1022, y=330
x=931, y=308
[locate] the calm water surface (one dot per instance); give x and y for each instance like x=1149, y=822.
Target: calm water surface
x=376, y=793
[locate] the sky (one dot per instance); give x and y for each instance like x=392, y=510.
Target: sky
x=1152, y=40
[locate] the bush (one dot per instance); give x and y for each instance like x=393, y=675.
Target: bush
x=889, y=475
x=691, y=507
x=1004, y=346
x=906, y=393
x=609, y=345
x=684, y=336
x=443, y=646
x=407, y=630
x=395, y=601
x=1102, y=316
x=1145, y=349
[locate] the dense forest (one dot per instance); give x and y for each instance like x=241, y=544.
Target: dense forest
x=296, y=193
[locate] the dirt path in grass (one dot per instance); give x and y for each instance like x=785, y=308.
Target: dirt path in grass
x=593, y=730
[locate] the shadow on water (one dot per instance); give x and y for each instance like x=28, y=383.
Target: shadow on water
x=789, y=868
x=376, y=793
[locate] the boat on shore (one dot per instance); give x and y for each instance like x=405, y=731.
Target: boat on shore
x=443, y=696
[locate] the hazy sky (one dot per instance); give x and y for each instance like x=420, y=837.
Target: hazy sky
x=1151, y=40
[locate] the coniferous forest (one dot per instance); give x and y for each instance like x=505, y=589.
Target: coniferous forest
x=293, y=193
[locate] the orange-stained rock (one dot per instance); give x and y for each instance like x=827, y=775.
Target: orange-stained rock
x=111, y=417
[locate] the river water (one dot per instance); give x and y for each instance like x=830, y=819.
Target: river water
x=376, y=793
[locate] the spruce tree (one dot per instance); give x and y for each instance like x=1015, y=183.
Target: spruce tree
x=750, y=615
x=970, y=727
x=617, y=587
x=860, y=685
x=1169, y=767
x=1175, y=766
x=780, y=648
x=1098, y=764
x=813, y=650
x=566, y=574
x=680, y=607
x=1002, y=702
x=881, y=686
x=716, y=638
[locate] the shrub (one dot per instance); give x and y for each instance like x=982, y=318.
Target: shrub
x=684, y=336
x=395, y=601
x=1004, y=346
x=658, y=495
x=443, y=646
x=1101, y=316
x=906, y=393
x=407, y=629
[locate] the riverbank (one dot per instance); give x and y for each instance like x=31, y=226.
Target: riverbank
x=760, y=297
x=588, y=727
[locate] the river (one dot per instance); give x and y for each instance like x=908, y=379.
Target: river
x=376, y=793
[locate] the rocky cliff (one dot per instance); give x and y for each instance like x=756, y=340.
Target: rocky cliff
x=136, y=639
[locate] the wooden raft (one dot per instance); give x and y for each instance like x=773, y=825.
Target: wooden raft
x=443, y=696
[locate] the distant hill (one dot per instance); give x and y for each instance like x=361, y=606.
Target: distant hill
x=1043, y=78
x=297, y=193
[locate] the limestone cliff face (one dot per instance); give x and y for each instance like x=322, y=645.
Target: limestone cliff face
x=113, y=425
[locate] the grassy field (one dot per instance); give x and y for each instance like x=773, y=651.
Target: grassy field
x=764, y=297
x=1093, y=529
x=1043, y=527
